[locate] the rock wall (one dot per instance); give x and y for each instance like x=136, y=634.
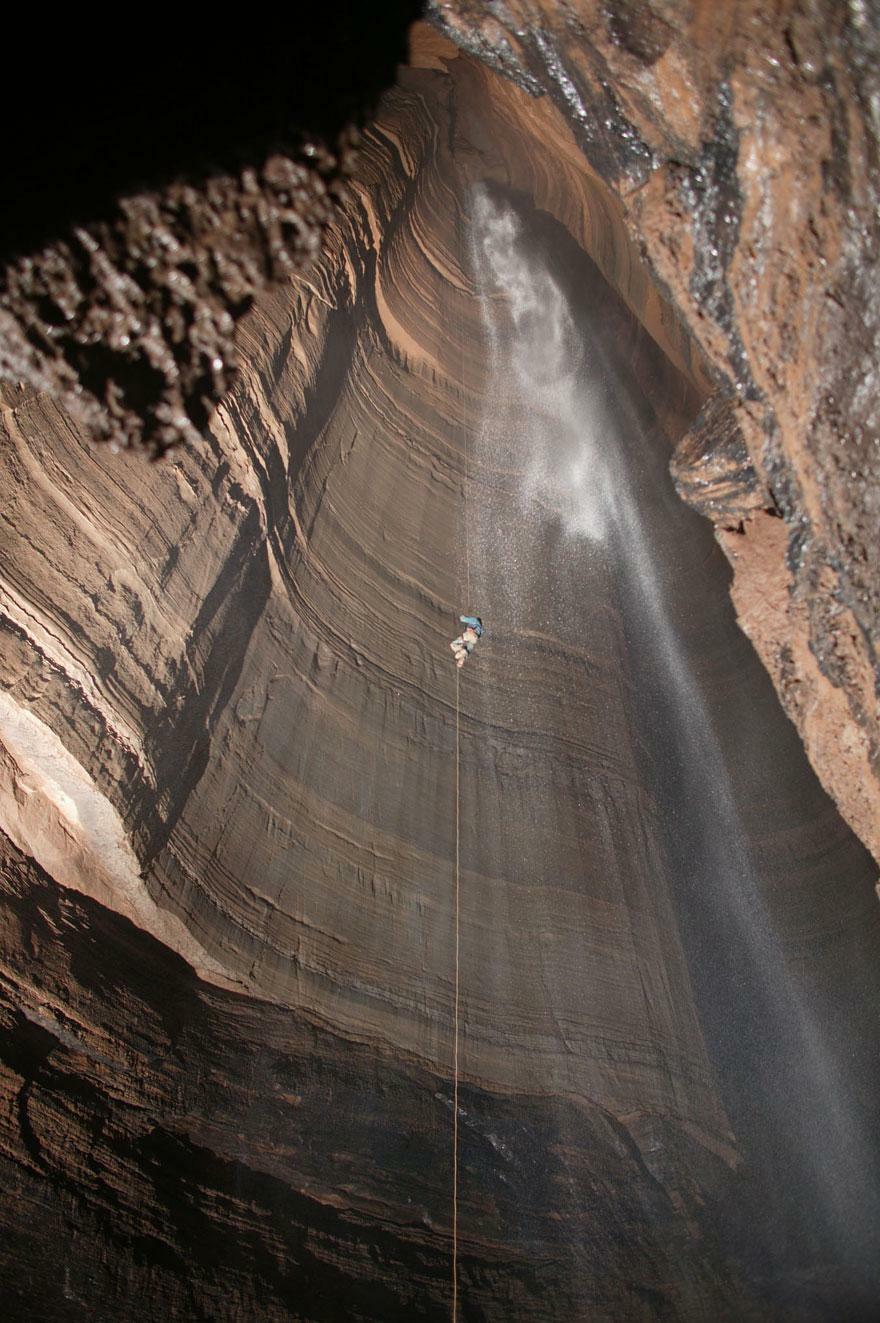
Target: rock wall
x=699, y=128
x=229, y=735
x=267, y=703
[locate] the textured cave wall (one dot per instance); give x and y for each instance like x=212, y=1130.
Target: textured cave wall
x=170, y=1148
x=243, y=651
x=741, y=156
x=283, y=719
x=153, y=185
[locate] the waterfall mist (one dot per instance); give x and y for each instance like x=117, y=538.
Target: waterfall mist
x=574, y=473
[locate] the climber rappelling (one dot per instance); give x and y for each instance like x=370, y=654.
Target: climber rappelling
x=463, y=646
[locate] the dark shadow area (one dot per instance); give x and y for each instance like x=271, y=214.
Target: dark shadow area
x=234, y=1160
x=102, y=109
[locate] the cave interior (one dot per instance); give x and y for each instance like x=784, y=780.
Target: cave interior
x=271, y=864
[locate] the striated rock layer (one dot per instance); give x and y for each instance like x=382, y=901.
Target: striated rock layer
x=227, y=792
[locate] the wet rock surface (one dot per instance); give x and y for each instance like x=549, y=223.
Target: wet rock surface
x=743, y=147
x=226, y=1044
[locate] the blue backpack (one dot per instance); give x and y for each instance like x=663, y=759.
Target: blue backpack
x=475, y=623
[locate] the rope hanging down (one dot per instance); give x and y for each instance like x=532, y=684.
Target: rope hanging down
x=457, y=894
x=455, y=1019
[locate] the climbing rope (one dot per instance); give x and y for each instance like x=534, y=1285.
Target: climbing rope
x=464, y=493
x=457, y=897
x=455, y=1014
x=467, y=531
x=458, y=847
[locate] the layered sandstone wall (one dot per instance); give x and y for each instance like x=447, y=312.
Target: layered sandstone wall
x=268, y=703
x=737, y=153
x=230, y=717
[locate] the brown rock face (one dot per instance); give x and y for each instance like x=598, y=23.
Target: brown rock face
x=231, y=734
